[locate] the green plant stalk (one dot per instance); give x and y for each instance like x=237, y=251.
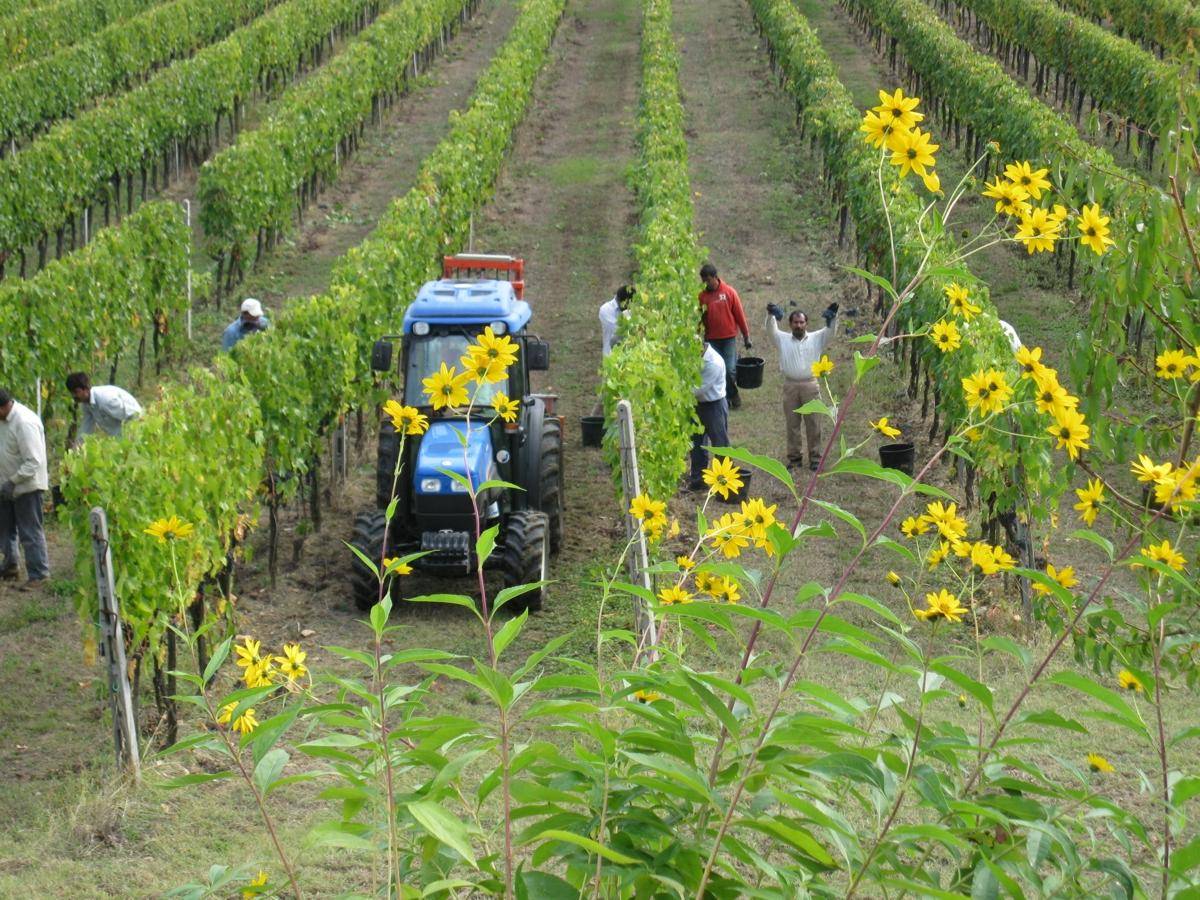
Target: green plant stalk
x=231, y=749
x=902, y=788
x=1164, y=771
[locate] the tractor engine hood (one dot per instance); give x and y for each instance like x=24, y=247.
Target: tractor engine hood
x=442, y=449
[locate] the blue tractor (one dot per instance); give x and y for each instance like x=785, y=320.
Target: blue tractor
x=433, y=511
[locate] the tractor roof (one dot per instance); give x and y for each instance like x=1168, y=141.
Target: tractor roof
x=467, y=302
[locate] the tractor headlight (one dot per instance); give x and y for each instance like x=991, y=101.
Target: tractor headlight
x=457, y=487
x=431, y=485
x=499, y=327
x=421, y=328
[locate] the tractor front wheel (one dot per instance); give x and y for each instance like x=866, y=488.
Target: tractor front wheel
x=369, y=530
x=526, y=557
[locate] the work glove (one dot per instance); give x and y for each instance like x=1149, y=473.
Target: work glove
x=6, y=490
x=830, y=313
x=775, y=312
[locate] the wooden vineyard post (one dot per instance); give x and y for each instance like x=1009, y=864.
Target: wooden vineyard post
x=112, y=646
x=638, y=559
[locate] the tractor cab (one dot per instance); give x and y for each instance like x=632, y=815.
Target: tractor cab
x=433, y=512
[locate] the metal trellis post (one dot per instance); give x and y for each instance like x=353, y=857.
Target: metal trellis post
x=112, y=647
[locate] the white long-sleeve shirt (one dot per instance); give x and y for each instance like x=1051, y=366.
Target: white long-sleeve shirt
x=23, y=451
x=796, y=357
x=712, y=376
x=610, y=319
x=108, y=409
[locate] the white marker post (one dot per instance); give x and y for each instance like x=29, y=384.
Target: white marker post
x=638, y=559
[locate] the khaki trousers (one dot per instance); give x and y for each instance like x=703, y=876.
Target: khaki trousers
x=795, y=395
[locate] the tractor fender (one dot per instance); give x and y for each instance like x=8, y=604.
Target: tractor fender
x=529, y=472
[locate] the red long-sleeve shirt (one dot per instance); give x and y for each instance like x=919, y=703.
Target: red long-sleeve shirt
x=723, y=313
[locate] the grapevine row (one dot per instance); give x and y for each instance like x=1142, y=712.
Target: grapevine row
x=657, y=363
x=98, y=303
x=969, y=91
x=1119, y=76
x=831, y=122
x=33, y=96
x=1162, y=24
x=284, y=388
x=54, y=179
x=258, y=183
x=36, y=31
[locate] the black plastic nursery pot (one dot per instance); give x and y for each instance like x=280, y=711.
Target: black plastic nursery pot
x=898, y=456
x=591, y=429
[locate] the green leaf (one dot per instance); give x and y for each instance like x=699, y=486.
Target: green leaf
x=497, y=483
x=591, y=846
x=544, y=886
x=772, y=467
x=366, y=560
x=511, y=629
x=979, y=691
x=794, y=836
x=444, y=826
x=878, y=280
x=269, y=732
x=856, y=465
x=863, y=365
x=1049, y=718
x=1009, y=646
x=452, y=599
x=815, y=407
x=350, y=835
x=845, y=515
x=485, y=544
x=269, y=768
x=1124, y=712
x=380, y=613
x=870, y=603
x=1090, y=536
x=196, y=778
x=220, y=654
x=984, y=884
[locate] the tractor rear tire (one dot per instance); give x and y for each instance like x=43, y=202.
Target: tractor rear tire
x=552, y=481
x=526, y=557
x=369, y=529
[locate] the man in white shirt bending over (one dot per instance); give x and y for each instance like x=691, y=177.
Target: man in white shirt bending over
x=610, y=316
x=105, y=407
x=799, y=348
x=713, y=412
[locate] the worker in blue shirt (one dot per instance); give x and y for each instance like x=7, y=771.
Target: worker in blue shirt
x=249, y=321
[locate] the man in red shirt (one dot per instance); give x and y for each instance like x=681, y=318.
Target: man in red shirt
x=723, y=317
